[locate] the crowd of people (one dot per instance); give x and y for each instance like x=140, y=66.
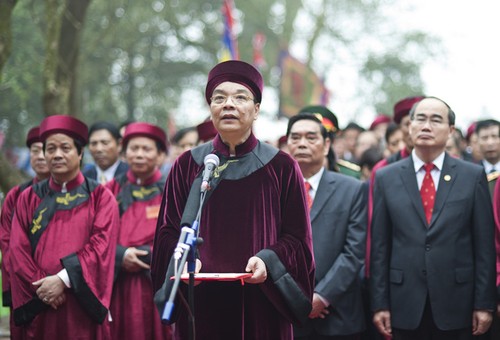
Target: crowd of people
x=353, y=233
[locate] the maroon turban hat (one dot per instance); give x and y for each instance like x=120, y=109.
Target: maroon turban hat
x=380, y=119
x=403, y=107
x=206, y=131
x=33, y=136
x=67, y=125
x=145, y=130
x=235, y=71
x=470, y=130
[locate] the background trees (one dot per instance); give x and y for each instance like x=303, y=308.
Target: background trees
x=148, y=59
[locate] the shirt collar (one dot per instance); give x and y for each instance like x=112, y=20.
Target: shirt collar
x=109, y=173
x=488, y=166
x=315, y=179
x=418, y=163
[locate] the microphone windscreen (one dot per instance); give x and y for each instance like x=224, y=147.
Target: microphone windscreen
x=211, y=159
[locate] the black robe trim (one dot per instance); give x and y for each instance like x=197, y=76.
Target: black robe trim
x=297, y=301
x=120, y=254
x=27, y=312
x=7, y=298
x=89, y=302
x=247, y=164
x=53, y=201
x=130, y=193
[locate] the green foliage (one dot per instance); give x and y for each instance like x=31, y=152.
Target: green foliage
x=144, y=59
x=21, y=87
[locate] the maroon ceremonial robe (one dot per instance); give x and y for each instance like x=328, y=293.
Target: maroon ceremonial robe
x=256, y=214
x=132, y=309
x=75, y=230
x=6, y=216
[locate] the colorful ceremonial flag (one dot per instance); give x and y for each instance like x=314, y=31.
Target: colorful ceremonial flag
x=229, y=42
x=258, y=43
x=300, y=86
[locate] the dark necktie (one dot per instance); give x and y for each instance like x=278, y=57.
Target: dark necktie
x=493, y=170
x=308, y=195
x=428, y=192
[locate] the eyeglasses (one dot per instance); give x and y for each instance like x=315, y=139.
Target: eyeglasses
x=433, y=121
x=237, y=99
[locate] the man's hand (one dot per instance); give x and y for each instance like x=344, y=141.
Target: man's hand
x=382, y=320
x=131, y=262
x=481, y=321
x=51, y=290
x=319, y=309
x=498, y=310
x=197, y=269
x=256, y=266
x=58, y=301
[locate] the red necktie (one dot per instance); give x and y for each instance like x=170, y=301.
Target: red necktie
x=308, y=195
x=428, y=192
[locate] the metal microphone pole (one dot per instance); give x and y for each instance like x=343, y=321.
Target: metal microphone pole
x=187, y=246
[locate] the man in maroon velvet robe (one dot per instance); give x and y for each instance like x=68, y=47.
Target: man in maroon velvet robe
x=255, y=220
x=63, y=244
x=39, y=166
x=138, y=193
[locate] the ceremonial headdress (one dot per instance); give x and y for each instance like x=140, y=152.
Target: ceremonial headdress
x=64, y=124
x=235, y=71
x=141, y=129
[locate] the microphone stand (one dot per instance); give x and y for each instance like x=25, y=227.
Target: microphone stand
x=187, y=246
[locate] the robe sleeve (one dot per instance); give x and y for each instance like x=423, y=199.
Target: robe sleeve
x=90, y=269
x=5, y=230
x=290, y=261
x=25, y=302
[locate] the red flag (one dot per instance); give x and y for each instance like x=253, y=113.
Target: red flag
x=229, y=42
x=258, y=43
x=300, y=86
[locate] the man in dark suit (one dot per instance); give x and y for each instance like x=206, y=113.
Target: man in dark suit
x=433, y=252
x=338, y=220
x=104, y=146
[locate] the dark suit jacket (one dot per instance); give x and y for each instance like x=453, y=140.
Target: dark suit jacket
x=452, y=261
x=90, y=170
x=338, y=219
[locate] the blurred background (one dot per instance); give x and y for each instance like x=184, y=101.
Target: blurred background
x=147, y=60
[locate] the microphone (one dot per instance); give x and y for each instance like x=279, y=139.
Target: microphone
x=211, y=162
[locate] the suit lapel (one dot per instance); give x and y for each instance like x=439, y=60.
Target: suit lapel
x=410, y=182
x=324, y=192
x=446, y=180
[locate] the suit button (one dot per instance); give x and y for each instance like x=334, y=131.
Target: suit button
x=424, y=272
x=427, y=247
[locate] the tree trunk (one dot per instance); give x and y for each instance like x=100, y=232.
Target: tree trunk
x=6, y=8
x=65, y=24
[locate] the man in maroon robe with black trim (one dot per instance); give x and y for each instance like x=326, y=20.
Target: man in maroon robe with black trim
x=138, y=193
x=255, y=220
x=63, y=244
x=39, y=166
